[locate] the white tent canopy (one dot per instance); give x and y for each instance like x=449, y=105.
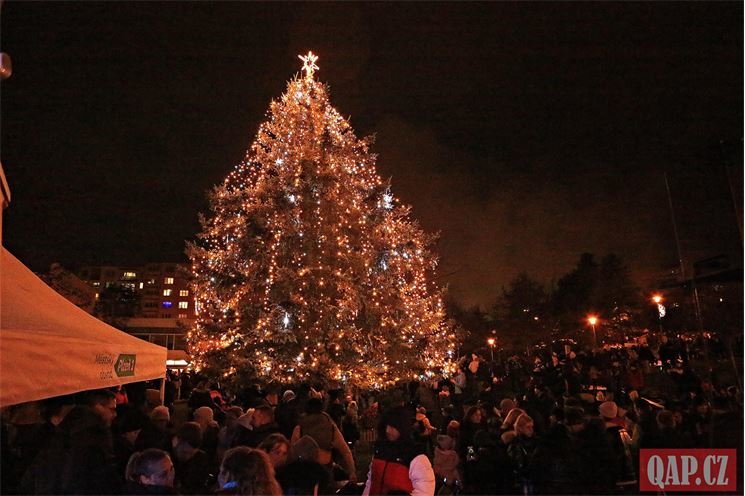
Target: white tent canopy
x=50, y=347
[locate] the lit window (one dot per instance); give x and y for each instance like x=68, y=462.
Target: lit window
x=141, y=285
x=166, y=304
x=167, y=292
x=169, y=280
x=183, y=304
x=183, y=292
x=96, y=283
x=182, y=316
x=129, y=275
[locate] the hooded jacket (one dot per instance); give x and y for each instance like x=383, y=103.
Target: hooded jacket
x=399, y=466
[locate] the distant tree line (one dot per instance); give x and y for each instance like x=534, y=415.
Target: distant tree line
x=527, y=311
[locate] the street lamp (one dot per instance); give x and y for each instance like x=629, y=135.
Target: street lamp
x=491, y=342
x=592, y=320
x=657, y=299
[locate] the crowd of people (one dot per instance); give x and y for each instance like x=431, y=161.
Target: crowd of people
x=552, y=421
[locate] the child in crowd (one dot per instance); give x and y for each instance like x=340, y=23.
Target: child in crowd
x=446, y=460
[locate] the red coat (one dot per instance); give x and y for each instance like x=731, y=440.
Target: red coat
x=389, y=477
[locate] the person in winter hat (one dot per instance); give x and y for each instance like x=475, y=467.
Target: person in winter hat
x=398, y=465
x=612, y=414
x=446, y=459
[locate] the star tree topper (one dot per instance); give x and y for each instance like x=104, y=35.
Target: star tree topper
x=309, y=64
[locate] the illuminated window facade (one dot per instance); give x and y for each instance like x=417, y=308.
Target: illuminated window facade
x=156, y=284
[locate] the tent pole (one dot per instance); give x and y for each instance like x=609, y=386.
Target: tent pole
x=163, y=391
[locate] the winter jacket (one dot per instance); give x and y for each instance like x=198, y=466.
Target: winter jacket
x=350, y=430
x=301, y=477
x=446, y=464
x=288, y=414
x=489, y=473
x=554, y=467
x=595, y=458
x=520, y=451
x=200, y=398
x=192, y=475
x=78, y=460
x=253, y=438
x=623, y=466
x=324, y=431
x=399, y=467
x=21, y=444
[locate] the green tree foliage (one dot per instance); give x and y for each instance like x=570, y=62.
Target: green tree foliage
x=574, y=291
x=523, y=300
x=614, y=289
x=523, y=312
x=604, y=288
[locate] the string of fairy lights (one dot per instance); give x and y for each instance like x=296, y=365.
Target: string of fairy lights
x=308, y=265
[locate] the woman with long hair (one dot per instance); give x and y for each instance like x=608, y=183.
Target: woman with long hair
x=521, y=449
x=247, y=472
x=507, y=429
x=473, y=421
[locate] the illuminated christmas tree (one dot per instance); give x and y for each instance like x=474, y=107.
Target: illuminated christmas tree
x=307, y=265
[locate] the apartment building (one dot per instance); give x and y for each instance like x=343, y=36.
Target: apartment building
x=163, y=288
x=165, y=292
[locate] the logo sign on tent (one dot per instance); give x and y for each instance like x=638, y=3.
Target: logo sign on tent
x=125, y=365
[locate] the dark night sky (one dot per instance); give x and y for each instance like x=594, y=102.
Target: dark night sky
x=525, y=133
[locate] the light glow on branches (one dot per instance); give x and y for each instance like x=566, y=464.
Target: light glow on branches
x=306, y=264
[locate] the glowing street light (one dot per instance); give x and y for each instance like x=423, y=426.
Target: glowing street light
x=491, y=342
x=592, y=320
x=657, y=299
